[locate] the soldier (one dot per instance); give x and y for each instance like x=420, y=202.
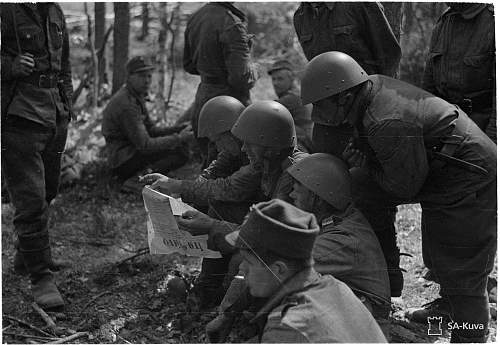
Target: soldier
x=276, y=243
x=217, y=48
x=283, y=80
x=36, y=108
x=361, y=30
x=217, y=117
x=267, y=131
x=461, y=63
x=132, y=141
x=411, y=146
x=346, y=246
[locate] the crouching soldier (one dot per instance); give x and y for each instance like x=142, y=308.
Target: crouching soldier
x=346, y=246
x=411, y=146
x=301, y=306
x=217, y=117
x=132, y=141
x=267, y=131
x=283, y=79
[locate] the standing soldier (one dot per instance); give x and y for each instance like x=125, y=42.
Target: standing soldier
x=36, y=108
x=361, y=30
x=461, y=63
x=283, y=79
x=217, y=48
x=411, y=146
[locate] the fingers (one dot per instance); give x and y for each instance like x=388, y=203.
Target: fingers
x=151, y=178
x=27, y=60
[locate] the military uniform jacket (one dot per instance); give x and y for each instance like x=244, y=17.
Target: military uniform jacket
x=24, y=30
x=359, y=29
x=348, y=249
x=461, y=61
x=246, y=184
x=309, y=308
x=401, y=126
x=128, y=129
x=217, y=47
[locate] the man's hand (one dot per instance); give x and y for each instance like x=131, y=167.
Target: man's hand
x=195, y=222
x=23, y=65
x=354, y=157
x=186, y=134
x=162, y=183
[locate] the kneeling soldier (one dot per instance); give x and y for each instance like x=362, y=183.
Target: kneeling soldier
x=276, y=243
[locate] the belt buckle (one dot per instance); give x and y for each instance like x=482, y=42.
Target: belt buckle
x=43, y=80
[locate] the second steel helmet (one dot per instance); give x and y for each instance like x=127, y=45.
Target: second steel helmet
x=326, y=176
x=329, y=74
x=218, y=115
x=266, y=123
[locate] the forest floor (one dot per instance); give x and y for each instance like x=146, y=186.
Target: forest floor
x=116, y=297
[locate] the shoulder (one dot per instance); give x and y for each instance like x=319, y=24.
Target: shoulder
x=281, y=326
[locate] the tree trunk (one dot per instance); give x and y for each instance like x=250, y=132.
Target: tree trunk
x=145, y=21
x=162, y=51
x=100, y=28
x=394, y=14
x=120, y=43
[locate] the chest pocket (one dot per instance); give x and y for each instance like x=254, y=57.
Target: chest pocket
x=478, y=72
x=30, y=37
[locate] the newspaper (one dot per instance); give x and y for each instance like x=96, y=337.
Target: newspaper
x=164, y=235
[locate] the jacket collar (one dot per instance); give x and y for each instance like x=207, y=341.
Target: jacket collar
x=295, y=283
x=233, y=9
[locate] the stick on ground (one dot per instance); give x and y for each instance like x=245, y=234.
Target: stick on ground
x=21, y=322
x=48, y=320
x=71, y=337
x=94, y=299
x=29, y=336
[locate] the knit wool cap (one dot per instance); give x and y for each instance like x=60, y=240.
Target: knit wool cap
x=279, y=227
x=278, y=65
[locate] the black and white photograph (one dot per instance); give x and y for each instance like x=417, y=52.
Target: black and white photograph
x=248, y=172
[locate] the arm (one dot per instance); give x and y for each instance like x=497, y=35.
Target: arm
x=133, y=127
x=65, y=74
x=380, y=37
x=236, y=51
x=428, y=82
x=223, y=166
x=402, y=158
x=240, y=186
x=277, y=331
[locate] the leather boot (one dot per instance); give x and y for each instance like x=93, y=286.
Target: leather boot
x=19, y=268
x=35, y=249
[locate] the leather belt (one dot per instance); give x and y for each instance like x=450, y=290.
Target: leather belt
x=213, y=80
x=44, y=81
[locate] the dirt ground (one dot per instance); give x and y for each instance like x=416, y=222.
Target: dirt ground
x=117, y=293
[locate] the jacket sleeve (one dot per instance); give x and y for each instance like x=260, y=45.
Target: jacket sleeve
x=240, y=186
x=8, y=53
x=220, y=167
x=401, y=165
x=491, y=128
x=236, y=51
x=276, y=331
x=187, y=60
x=384, y=45
x=217, y=237
x=133, y=126
x=66, y=69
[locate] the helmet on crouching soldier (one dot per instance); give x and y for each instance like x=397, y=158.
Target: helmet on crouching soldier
x=326, y=176
x=266, y=123
x=218, y=115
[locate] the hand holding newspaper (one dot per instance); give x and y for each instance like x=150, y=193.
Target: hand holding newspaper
x=164, y=235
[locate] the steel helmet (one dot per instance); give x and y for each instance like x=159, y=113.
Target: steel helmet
x=326, y=176
x=218, y=115
x=266, y=123
x=329, y=74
